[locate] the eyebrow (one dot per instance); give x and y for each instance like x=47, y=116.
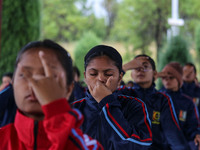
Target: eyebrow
x=51, y=66
x=27, y=67
x=103, y=70
x=145, y=63
x=31, y=68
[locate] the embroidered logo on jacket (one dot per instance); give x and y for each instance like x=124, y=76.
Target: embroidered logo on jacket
x=196, y=101
x=182, y=115
x=156, y=117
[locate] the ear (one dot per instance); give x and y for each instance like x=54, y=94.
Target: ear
x=155, y=74
x=120, y=78
x=69, y=90
x=85, y=77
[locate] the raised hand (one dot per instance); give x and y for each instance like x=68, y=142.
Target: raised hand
x=46, y=87
x=100, y=90
x=197, y=141
x=134, y=63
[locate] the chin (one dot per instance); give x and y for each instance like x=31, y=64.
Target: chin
x=141, y=81
x=35, y=111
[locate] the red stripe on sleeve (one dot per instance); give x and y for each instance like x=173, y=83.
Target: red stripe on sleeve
x=145, y=118
x=78, y=101
x=172, y=114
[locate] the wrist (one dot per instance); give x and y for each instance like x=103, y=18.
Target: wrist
x=56, y=107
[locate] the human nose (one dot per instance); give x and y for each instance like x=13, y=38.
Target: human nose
x=139, y=69
x=102, y=78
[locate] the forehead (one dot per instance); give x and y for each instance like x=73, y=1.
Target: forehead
x=188, y=67
x=6, y=78
x=144, y=60
x=101, y=62
x=32, y=54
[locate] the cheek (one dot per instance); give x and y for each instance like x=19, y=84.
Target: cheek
x=115, y=82
x=20, y=87
x=176, y=84
x=150, y=75
x=164, y=82
x=193, y=75
x=89, y=80
x=17, y=95
x=133, y=75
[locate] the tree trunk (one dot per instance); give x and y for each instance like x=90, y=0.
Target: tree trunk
x=160, y=30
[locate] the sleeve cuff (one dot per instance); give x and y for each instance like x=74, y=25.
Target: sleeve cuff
x=56, y=107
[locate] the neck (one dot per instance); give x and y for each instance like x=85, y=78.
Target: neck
x=145, y=85
x=188, y=81
x=36, y=117
x=174, y=89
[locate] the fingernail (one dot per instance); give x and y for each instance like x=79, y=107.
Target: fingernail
x=41, y=53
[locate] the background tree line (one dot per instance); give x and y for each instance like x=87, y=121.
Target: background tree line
x=136, y=24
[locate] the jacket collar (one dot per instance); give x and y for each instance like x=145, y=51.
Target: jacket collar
x=25, y=129
x=189, y=85
x=173, y=94
x=151, y=89
x=91, y=100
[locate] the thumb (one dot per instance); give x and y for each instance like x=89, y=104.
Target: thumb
x=108, y=83
x=195, y=141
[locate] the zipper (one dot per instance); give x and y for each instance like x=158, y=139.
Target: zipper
x=35, y=132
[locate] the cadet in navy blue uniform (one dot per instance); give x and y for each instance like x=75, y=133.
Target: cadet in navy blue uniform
x=185, y=108
x=165, y=127
x=190, y=84
x=119, y=122
x=79, y=90
x=7, y=106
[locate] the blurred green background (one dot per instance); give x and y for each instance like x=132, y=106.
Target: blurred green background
x=131, y=26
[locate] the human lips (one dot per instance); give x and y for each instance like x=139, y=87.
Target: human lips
x=31, y=97
x=140, y=75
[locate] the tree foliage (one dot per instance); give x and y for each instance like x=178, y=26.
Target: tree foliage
x=197, y=43
x=111, y=9
x=139, y=23
x=142, y=22
x=190, y=12
x=176, y=50
x=63, y=21
x=20, y=25
x=88, y=41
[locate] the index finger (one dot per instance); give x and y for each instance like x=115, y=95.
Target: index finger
x=47, y=69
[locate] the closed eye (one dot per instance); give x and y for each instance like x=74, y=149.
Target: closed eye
x=109, y=74
x=21, y=75
x=93, y=74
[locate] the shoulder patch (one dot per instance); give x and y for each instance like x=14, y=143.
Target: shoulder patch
x=196, y=100
x=156, y=117
x=182, y=115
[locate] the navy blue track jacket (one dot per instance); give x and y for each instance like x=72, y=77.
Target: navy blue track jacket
x=192, y=90
x=118, y=122
x=79, y=91
x=187, y=113
x=165, y=127
x=7, y=106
